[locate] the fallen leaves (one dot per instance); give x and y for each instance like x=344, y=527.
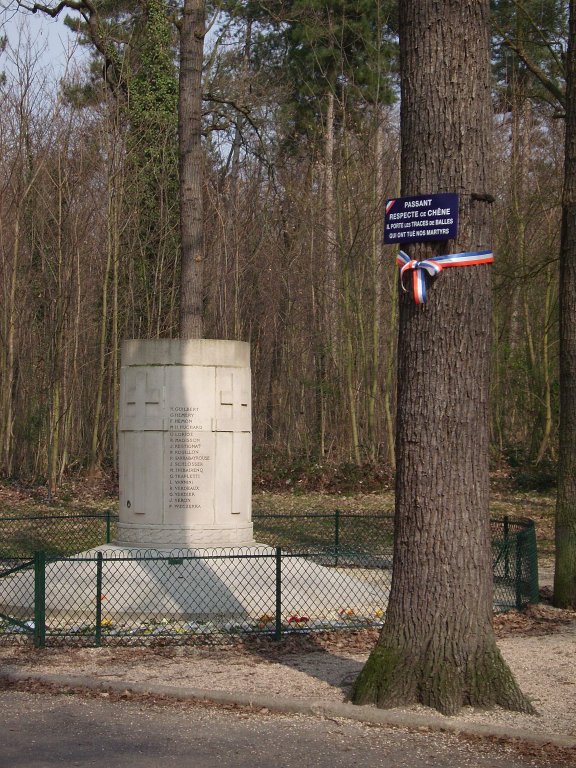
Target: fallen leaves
x=535, y=620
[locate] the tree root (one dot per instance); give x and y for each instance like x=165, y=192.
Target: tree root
x=393, y=677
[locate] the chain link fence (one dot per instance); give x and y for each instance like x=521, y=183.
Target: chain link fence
x=308, y=572
x=21, y=536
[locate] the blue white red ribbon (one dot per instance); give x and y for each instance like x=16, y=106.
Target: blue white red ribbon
x=433, y=267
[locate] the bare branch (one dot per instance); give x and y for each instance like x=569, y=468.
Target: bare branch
x=89, y=12
x=54, y=11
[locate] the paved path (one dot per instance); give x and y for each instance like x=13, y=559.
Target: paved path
x=41, y=730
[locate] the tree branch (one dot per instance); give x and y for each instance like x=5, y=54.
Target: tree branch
x=553, y=88
x=243, y=110
x=539, y=32
x=89, y=12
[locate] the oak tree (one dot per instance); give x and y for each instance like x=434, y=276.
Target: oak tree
x=437, y=646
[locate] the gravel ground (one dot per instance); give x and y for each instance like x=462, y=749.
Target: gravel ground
x=539, y=646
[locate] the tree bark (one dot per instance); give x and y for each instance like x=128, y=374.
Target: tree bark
x=565, y=570
x=192, y=33
x=437, y=646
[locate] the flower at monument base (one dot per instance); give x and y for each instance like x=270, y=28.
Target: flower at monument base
x=346, y=613
x=266, y=618
x=378, y=613
x=295, y=619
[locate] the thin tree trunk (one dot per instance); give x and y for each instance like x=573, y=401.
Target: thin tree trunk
x=57, y=346
x=318, y=345
x=349, y=368
x=101, y=374
x=546, y=405
x=376, y=279
x=390, y=367
x=115, y=343
x=8, y=389
x=389, y=380
x=331, y=240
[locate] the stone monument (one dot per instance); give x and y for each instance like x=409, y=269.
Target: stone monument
x=185, y=444
x=185, y=454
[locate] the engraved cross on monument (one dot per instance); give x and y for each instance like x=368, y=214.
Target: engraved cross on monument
x=143, y=399
x=234, y=412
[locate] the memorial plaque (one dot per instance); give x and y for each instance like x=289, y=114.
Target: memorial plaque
x=189, y=397
x=189, y=472
x=421, y=218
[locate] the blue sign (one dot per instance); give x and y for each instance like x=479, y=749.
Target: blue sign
x=421, y=218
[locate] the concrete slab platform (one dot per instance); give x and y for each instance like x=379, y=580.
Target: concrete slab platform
x=196, y=585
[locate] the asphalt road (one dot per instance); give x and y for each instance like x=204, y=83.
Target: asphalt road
x=41, y=730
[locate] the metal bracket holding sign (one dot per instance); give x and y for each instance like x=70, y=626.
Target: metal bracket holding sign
x=421, y=218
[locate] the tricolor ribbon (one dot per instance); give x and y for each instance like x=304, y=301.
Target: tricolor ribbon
x=434, y=266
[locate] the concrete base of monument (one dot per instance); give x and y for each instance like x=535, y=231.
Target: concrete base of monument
x=167, y=537
x=239, y=585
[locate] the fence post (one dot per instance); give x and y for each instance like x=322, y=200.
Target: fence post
x=278, y=611
x=533, y=563
x=336, y=535
x=98, y=632
x=40, y=599
x=506, y=547
x=518, y=575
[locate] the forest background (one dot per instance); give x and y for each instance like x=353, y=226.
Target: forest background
x=301, y=137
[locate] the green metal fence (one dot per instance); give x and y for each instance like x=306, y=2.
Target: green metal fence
x=113, y=596
x=347, y=536
x=318, y=572
x=514, y=562
x=21, y=536
x=342, y=535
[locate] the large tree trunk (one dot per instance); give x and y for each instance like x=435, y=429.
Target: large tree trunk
x=190, y=137
x=565, y=571
x=437, y=646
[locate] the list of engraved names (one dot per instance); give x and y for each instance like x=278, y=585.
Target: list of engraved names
x=189, y=459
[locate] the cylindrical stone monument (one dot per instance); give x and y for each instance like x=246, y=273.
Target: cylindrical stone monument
x=185, y=444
